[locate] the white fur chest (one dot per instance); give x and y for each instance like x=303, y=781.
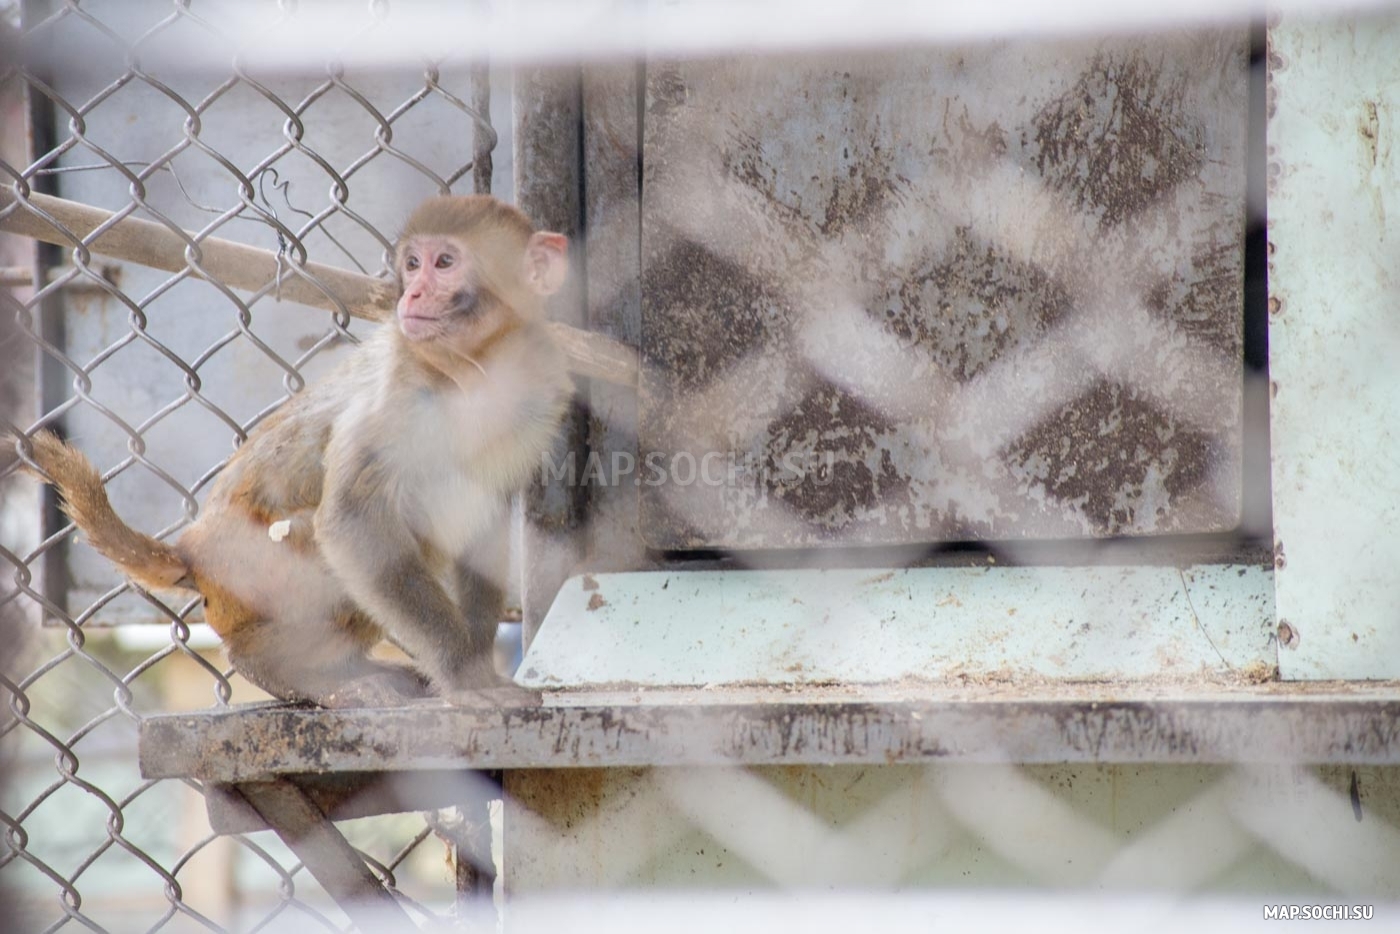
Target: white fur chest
x=454, y=509
x=462, y=467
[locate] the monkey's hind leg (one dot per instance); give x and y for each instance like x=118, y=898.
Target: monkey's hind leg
x=481, y=600
x=324, y=665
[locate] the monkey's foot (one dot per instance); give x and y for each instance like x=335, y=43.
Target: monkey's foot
x=497, y=694
x=381, y=689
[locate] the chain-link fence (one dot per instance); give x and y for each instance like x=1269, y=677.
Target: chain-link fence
x=889, y=308
x=154, y=374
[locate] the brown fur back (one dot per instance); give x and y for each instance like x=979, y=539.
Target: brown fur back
x=149, y=562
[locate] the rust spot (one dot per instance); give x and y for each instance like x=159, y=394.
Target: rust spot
x=971, y=304
x=1258, y=672
x=596, y=602
x=590, y=582
x=1287, y=635
x=1280, y=561
x=862, y=198
x=667, y=90
x=970, y=148
x=1275, y=305
x=854, y=471
x=692, y=349
x=1097, y=452
x=1121, y=139
x=1206, y=304
x=857, y=198
x=743, y=161
x=1370, y=130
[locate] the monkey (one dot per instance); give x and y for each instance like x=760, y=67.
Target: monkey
x=375, y=503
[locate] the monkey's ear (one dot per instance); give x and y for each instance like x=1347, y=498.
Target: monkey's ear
x=546, y=262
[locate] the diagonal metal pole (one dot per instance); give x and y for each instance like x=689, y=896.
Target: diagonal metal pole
x=240, y=266
x=327, y=855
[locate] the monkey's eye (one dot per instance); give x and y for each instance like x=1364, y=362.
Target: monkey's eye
x=411, y=263
x=443, y=261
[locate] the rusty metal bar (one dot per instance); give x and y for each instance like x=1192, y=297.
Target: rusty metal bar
x=327, y=855
x=547, y=112
x=483, y=139
x=475, y=873
x=1358, y=724
x=343, y=796
x=468, y=831
x=240, y=266
x=613, y=95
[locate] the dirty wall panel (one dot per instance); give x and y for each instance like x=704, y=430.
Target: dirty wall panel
x=1334, y=342
x=976, y=293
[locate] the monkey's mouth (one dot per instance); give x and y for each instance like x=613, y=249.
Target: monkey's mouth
x=461, y=307
x=420, y=327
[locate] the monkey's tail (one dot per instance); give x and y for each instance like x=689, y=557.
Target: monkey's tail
x=148, y=561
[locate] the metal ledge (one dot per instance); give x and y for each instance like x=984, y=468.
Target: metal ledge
x=796, y=627
x=1345, y=722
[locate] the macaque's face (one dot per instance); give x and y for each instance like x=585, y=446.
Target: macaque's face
x=460, y=292
x=442, y=290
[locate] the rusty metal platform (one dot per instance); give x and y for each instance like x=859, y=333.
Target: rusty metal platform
x=1161, y=723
